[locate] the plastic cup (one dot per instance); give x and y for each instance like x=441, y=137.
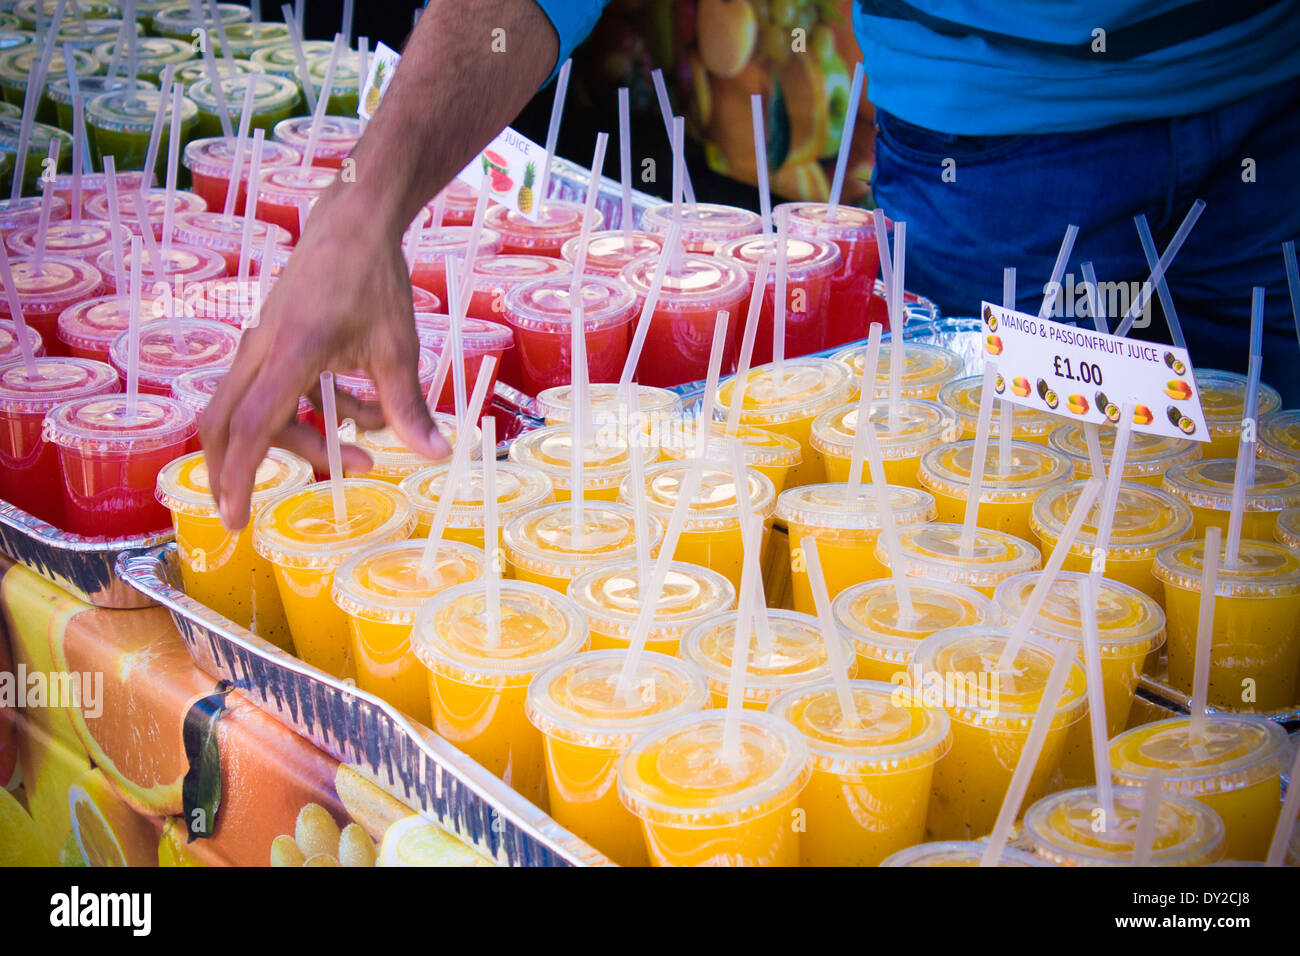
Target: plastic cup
x=1235, y=769
x=155, y=205
x=280, y=59
x=772, y=455
x=362, y=387
x=274, y=99
x=495, y=276
x=810, y=267
x=66, y=239
x=29, y=12
x=870, y=786
x=25, y=211
x=381, y=589
x=282, y=189
x=1223, y=401
x=610, y=597
x=153, y=54
x=183, y=265
x=431, y=250
x=424, y=301
x=335, y=139
x=705, y=226
x=297, y=532
x=119, y=125
x=207, y=344
x=854, y=233
x=9, y=347
x=38, y=151
x=29, y=465
x=558, y=221
x=588, y=727
x=91, y=184
x=1206, y=486
x=540, y=315
x=934, y=551
x=211, y=162
x=478, y=339
x=458, y=206
x=868, y=614
x=607, y=408
x=196, y=388
x=16, y=63
x=145, y=10
x=711, y=535
x=788, y=403
x=1006, y=501
x=478, y=681
x=1287, y=532
x=180, y=20
x=226, y=299
x=60, y=94
x=550, y=450
x=89, y=328
x=87, y=33
x=846, y=528
x=680, y=336
x=190, y=73
x=916, y=308
x=213, y=232
x=245, y=39
x=345, y=84
x=1256, y=643
x=992, y=714
x=1279, y=437
x=520, y=488
x=1062, y=829
x=109, y=461
x=393, y=461
x=959, y=853
x=219, y=568
x=45, y=293
x=922, y=427
x=608, y=252
x=926, y=368
x=1145, y=521
x=963, y=397
x=542, y=546
x=1148, y=458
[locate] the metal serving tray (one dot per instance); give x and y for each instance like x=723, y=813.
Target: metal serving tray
x=412, y=762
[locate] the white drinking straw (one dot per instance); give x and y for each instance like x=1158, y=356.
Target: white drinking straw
x=679, y=179
x=1204, y=634
x=218, y=93
x=322, y=103
x=300, y=57
x=133, y=332
x=640, y=504
x=978, y=456
x=1089, y=596
x=1158, y=271
x=491, y=537
x=363, y=73
x=333, y=451
x=760, y=160
x=779, y=295
x=553, y=129
x=666, y=111
x=1292, y=282
x=263, y=276
x=888, y=529
x=1006, y=409
x=751, y=528
x=1244, y=472
x=455, y=340
x=625, y=165
x=1162, y=284
x=25, y=130
x=1058, y=272
x=47, y=199
x=1114, y=482
x=750, y=592
x=150, y=167
x=250, y=204
x=897, y=319
x=1095, y=307
x=347, y=22
x=1144, y=839
x=241, y=146
x=740, y=380
x=220, y=24
x=16, y=313
x=846, y=140
x=830, y=633
x=1286, y=820
x=708, y=400
x=648, y=307
x=866, y=398
x=173, y=161
x=114, y=223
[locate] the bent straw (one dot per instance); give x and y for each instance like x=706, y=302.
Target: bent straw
x=300, y=57
x=16, y=313
x=1028, y=757
x=648, y=306
x=318, y=115
x=897, y=319
x=333, y=451
x=47, y=199
x=760, y=160
x=846, y=139
x=491, y=538
x=704, y=425
x=150, y=167
x=1286, y=820
x=830, y=633
x=1006, y=409
x=1088, y=597
x=1114, y=481
x=625, y=165
x=1144, y=840
x=1292, y=282
x=1159, y=270
x=114, y=222
x=666, y=111
x=1204, y=634
x=133, y=333
x=640, y=506
x=173, y=160
x=740, y=380
x=866, y=398
x=1162, y=286
x=241, y=146
x=1244, y=472
x=553, y=130
x=250, y=204
x=975, y=488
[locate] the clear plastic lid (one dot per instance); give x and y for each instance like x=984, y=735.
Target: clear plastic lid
x=888, y=736
x=806, y=258
x=705, y=226
x=122, y=111
x=921, y=426
x=225, y=299
x=550, y=450
x=362, y=387
x=73, y=240
x=959, y=853
x=16, y=64
x=926, y=368
x=436, y=246
x=57, y=379
x=391, y=457
x=934, y=551
x=1223, y=399
x=1262, y=569
x=9, y=347
x=85, y=34
x=196, y=70
x=798, y=656
x=713, y=508
x=346, y=70
x=870, y=615
x=281, y=58
x=152, y=53
x=701, y=283
x=425, y=302
x=194, y=263
x=184, y=486
x=806, y=388
x=542, y=305
x=477, y=336
x=245, y=38
x=91, y=183
x=60, y=91
x=1234, y=752
x=851, y=223
x=945, y=470
x=1128, y=621
x=104, y=424
x=298, y=528
x=155, y=205
x=179, y=19
x=963, y=397
x=1208, y=483
x=500, y=274
x=26, y=210
x=762, y=448
x=1146, y=519
x=41, y=136
x=1062, y=828
x=557, y=221
x=1148, y=455
x=1287, y=531
x=535, y=627
x=1279, y=436
x=608, y=253
x=578, y=700
x=833, y=506
x=207, y=344
x=196, y=388
x=212, y=231
x=543, y=540
x=387, y=582
x=214, y=157
x=289, y=185
x=56, y=285
x=605, y=400
x=610, y=596
x=335, y=139
x=519, y=488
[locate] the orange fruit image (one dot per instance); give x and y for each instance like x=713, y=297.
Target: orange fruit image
x=727, y=32
x=731, y=125
x=108, y=831
x=808, y=106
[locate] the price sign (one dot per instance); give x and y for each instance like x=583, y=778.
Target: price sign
x=1087, y=376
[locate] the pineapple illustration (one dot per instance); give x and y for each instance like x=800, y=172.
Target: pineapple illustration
x=372, y=94
x=526, y=190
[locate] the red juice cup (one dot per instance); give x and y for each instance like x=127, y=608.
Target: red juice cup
x=283, y=188
x=335, y=139
x=9, y=347
x=705, y=226
x=211, y=230
x=92, y=184
x=457, y=210
x=362, y=387
x=195, y=388
x=558, y=221
x=913, y=304
x=43, y=295
x=29, y=468
x=854, y=232
x=677, y=344
x=184, y=265
x=607, y=252
x=479, y=339
x=155, y=202
x=425, y=301
x=430, y=250
x=207, y=345
x=226, y=300
x=211, y=162
x=89, y=328
x=493, y=279
x=109, y=461
x=810, y=266
x=84, y=240
x=25, y=211
x=539, y=313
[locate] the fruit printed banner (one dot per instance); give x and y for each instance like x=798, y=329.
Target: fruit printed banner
x=1087, y=376
x=510, y=169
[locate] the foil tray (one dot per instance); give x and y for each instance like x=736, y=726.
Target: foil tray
x=412, y=762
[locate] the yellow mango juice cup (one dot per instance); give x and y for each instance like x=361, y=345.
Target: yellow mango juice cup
x=1148, y=457
x=519, y=488
x=991, y=713
x=1255, y=649
x=1207, y=485
x=219, y=568
x=870, y=785
x=1287, y=532
x=1234, y=768
x=588, y=725
x=772, y=455
x=1006, y=500
x=610, y=597
x=543, y=546
x=1223, y=401
x=698, y=808
x=962, y=397
x=393, y=461
x=606, y=406
x=605, y=460
x=478, y=680
x=299, y=534
x=381, y=589
x=1279, y=436
x=959, y=853
x=935, y=551
x=922, y=425
x=926, y=368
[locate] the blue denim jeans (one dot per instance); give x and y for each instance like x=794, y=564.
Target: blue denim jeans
x=1013, y=196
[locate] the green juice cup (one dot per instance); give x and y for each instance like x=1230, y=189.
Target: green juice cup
x=245, y=39
x=344, y=89
x=1287, y=532
x=178, y=20
x=120, y=125
x=192, y=72
x=154, y=53
x=274, y=99
x=58, y=90
x=37, y=150
x=14, y=67
x=29, y=11
x=1279, y=436
x=85, y=35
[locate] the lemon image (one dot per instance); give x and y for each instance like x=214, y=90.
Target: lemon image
x=20, y=841
x=414, y=841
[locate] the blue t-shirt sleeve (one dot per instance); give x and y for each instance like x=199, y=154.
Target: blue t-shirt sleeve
x=573, y=20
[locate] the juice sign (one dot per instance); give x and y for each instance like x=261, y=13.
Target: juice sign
x=383, y=64
x=509, y=169
x=1087, y=376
